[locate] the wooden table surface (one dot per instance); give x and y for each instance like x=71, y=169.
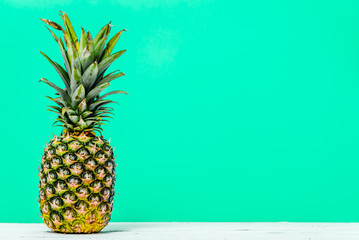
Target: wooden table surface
x=193, y=231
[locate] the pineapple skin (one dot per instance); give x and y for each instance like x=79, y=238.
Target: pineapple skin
x=77, y=177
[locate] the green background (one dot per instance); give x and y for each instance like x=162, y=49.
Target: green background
x=237, y=111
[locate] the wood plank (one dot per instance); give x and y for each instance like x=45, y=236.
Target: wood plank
x=193, y=231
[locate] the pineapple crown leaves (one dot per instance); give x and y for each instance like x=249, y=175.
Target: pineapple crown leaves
x=79, y=106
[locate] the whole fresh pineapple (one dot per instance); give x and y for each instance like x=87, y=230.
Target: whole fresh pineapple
x=77, y=171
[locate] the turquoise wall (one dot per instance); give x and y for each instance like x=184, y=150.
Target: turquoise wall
x=238, y=110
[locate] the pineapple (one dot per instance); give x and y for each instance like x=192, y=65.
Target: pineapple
x=77, y=172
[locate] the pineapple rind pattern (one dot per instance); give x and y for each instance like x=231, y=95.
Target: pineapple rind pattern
x=77, y=178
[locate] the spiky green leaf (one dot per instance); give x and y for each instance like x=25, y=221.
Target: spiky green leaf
x=90, y=75
x=105, y=30
x=75, y=78
x=52, y=24
x=83, y=41
x=57, y=113
x=60, y=71
x=96, y=91
x=61, y=92
x=56, y=108
x=67, y=110
x=74, y=118
x=62, y=49
x=69, y=29
x=72, y=53
x=110, y=77
x=86, y=114
x=78, y=95
x=82, y=106
x=89, y=123
x=99, y=48
x=58, y=101
x=87, y=56
x=82, y=123
x=106, y=62
x=111, y=44
x=90, y=43
x=110, y=93
x=94, y=106
x=107, y=109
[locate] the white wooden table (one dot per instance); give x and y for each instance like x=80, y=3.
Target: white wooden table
x=193, y=231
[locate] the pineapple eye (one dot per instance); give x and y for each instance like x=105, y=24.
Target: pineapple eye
x=103, y=207
x=74, y=144
x=60, y=184
x=88, y=175
x=83, y=190
x=69, y=212
x=52, y=175
x=63, y=171
x=56, y=160
x=71, y=156
x=91, y=144
x=74, y=180
x=56, y=201
x=95, y=197
x=100, y=170
x=77, y=166
x=100, y=154
x=91, y=162
x=47, y=164
x=96, y=184
x=83, y=151
x=55, y=216
x=107, y=178
x=109, y=163
x=106, y=147
x=52, y=151
x=42, y=193
x=62, y=147
x=46, y=207
x=81, y=205
x=69, y=196
x=106, y=191
x=106, y=217
x=50, y=189
x=43, y=178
